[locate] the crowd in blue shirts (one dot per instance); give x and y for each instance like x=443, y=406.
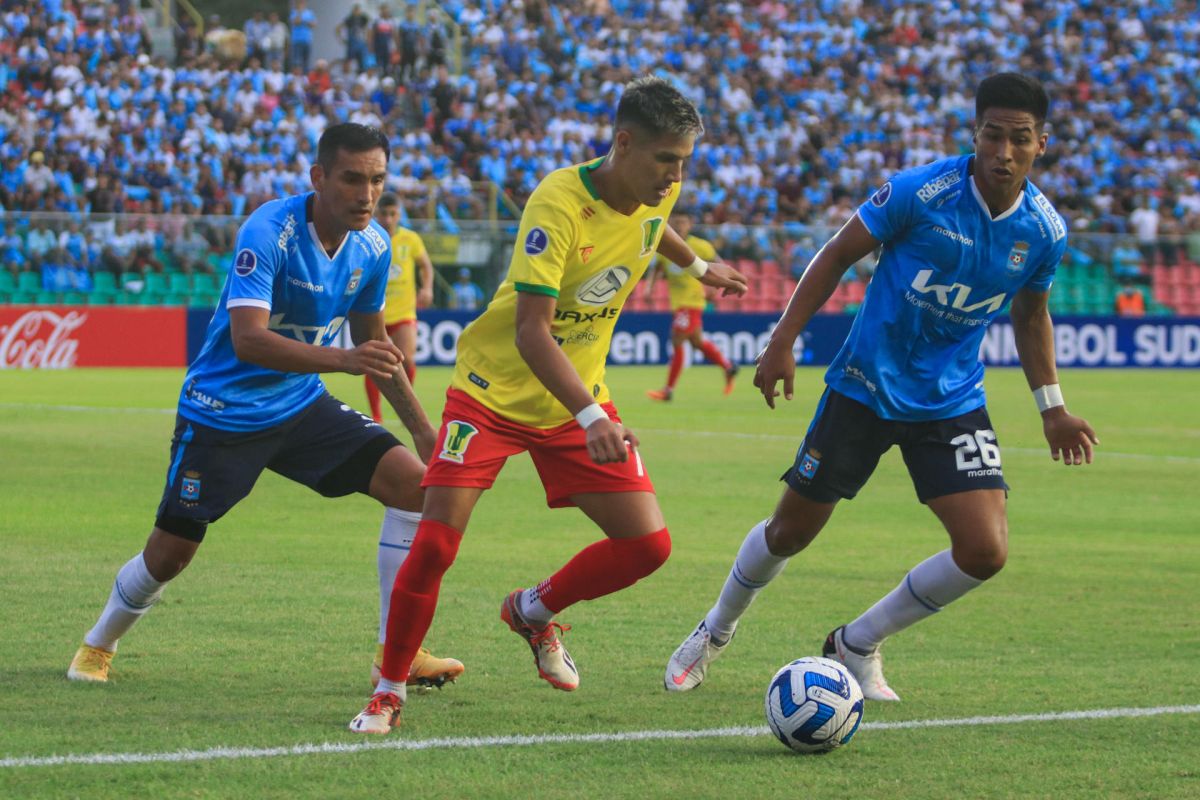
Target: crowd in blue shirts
x=807, y=106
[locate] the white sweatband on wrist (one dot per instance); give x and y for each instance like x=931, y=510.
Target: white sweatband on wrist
x=590, y=414
x=1048, y=397
x=697, y=268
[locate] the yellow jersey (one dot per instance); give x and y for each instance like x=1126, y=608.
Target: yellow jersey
x=684, y=290
x=400, y=299
x=571, y=246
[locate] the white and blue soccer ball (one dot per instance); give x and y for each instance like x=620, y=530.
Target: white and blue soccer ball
x=814, y=704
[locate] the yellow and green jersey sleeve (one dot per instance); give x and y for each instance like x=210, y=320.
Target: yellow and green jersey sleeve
x=570, y=246
x=400, y=300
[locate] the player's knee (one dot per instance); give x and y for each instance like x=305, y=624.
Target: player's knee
x=646, y=554
x=985, y=556
x=434, y=549
x=787, y=537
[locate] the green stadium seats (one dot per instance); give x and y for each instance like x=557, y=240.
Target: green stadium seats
x=29, y=282
x=104, y=282
x=156, y=284
x=179, y=283
x=46, y=298
x=74, y=299
x=173, y=299
x=8, y=284
x=22, y=298
x=206, y=283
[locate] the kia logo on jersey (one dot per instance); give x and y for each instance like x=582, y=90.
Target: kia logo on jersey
x=536, y=241
x=245, y=263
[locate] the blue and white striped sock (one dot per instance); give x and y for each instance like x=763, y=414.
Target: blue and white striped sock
x=395, y=540
x=754, y=567
x=133, y=592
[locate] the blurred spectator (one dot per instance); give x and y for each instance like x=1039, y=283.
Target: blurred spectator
x=383, y=40
x=409, y=45
x=258, y=36
x=467, y=295
x=1130, y=302
x=1145, y=222
x=353, y=31
x=277, y=41
x=1126, y=260
x=302, y=20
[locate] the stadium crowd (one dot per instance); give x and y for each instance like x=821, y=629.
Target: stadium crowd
x=807, y=105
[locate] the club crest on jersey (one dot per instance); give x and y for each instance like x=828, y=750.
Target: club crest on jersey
x=650, y=234
x=1018, y=256
x=189, y=489
x=536, y=242
x=244, y=263
x=881, y=196
x=458, y=438
x=600, y=289
x=355, y=279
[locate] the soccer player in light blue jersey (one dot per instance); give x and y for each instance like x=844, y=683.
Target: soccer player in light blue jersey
x=961, y=238
x=253, y=398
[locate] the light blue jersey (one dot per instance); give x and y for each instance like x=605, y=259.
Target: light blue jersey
x=281, y=266
x=947, y=269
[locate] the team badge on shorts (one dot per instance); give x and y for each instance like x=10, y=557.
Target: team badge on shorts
x=458, y=437
x=189, y=490
x=809, y=464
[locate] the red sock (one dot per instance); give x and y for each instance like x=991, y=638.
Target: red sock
x=603, y=568
x=713, y=354
x=676, y=367
x=415, y=594
x=373, y=399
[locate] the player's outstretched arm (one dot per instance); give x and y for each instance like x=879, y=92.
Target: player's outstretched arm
x=1069, y=436
x=425, y=293
x=776, y=362
x=369, y=329
x=711, y=273
x=605, y=438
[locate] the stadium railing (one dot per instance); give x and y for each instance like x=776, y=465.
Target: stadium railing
x=181, y=260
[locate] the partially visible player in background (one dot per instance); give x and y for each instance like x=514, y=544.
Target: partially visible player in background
x=252, y=399
x=530, y=378
x=403, y=295
x=688, y=299
x=961, y=238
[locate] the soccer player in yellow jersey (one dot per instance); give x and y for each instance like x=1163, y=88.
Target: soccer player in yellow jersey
x=688, y=298
x=530, y=377
x=402, y=298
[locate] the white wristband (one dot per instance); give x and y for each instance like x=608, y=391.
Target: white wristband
x=1048, y=397
x=590, y=414
x=697, y=268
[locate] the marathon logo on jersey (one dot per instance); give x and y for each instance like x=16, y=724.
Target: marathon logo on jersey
x=809, y=464
x=882, y=195
x=938, y=185
x=600, y=289
x=378, y=244
x=355, y=279
x=1018, y=257
x=536, y=242
x=245, y=262
x=189, y=488
x=1057, y=229
x=458, y=438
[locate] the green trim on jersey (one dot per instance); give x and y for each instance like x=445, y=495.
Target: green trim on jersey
x=533, y=288
x=585, y=175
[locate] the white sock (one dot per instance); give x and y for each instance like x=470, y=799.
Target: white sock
x=395, y=540
x=398, y=689
x=925, y=590
x=754, y=567
x=133, y=592
x=532, y=609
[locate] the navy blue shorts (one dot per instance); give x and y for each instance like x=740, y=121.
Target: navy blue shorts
x=846, y=439
x=329, y=447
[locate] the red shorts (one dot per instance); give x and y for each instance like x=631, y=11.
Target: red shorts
x=686, y=321
x=395, y=326
x=474, y=442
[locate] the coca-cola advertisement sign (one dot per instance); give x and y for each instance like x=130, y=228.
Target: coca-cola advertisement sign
x=61, y=337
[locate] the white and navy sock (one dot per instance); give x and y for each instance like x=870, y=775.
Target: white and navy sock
x=398, y=689
x=133, y=592
x=925, y=590
x=532, y=609
x=754, y=567
x=395, y=540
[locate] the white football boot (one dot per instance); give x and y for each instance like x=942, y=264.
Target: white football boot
x=867, y=669
x=689, y=663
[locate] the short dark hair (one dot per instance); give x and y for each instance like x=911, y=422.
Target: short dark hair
x=351, y=137
x=387, y=200
x=1012, y=90
x=658, y=108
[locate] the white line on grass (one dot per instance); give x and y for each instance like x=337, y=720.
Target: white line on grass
x=774, y=437
x=448, y=743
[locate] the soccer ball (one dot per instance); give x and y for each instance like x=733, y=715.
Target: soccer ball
x=814, y=704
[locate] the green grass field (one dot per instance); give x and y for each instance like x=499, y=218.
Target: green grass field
x=265, y=641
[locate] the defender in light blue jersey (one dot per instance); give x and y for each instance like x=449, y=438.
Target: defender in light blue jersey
x=960, y=239
x=253, y=398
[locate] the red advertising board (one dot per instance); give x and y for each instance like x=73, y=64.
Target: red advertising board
x=61, y=337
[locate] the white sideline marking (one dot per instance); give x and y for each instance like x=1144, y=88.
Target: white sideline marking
x=339, y=748
x=774, y=437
